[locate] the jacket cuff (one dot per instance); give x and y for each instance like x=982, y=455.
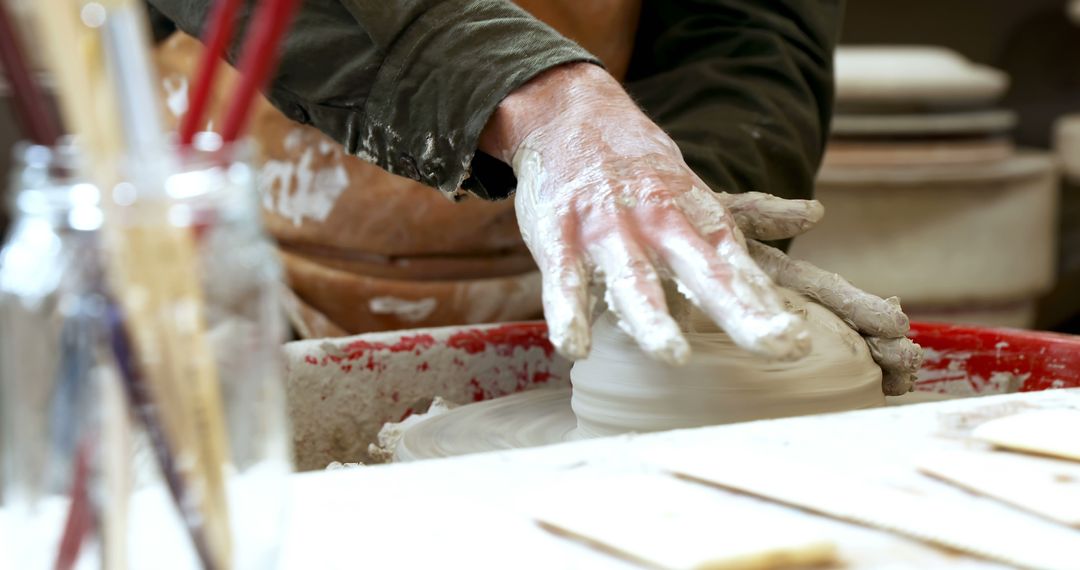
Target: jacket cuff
x=440, y=83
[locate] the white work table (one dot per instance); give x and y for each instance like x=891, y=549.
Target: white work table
x=473, y=511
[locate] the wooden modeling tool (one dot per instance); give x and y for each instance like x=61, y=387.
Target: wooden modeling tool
x=985, y=529
x=661, y=522
x=1046, y=487
x=1055, y=433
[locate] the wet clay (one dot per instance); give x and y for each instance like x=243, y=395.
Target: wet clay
x=618, y=389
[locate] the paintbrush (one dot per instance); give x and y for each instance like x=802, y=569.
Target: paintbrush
x=218, y=36
x=80, y=519
x=31, y=111
x=137, y=391
x=257, y=60
x=154, y=268
x=69, y=440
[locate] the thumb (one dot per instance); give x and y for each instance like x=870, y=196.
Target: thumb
x=765, y=217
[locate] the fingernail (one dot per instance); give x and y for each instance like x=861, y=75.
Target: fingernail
x=662, y=340
x=897, y=383
x=901, y=324
x=782, y=336
x=896, y=353
x=674, y=352
x=917, y=356
x=572, y=340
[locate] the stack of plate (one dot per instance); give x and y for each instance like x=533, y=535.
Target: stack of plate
x=1063, y=304
x=926, y=196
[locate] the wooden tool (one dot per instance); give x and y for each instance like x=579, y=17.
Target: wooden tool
x=661, y=522
x=1046, y=487
x=983, y=528
x=1047, y=432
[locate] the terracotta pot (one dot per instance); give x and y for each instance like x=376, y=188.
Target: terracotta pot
x=365, y=250
x=361, y=302
x=355, y=233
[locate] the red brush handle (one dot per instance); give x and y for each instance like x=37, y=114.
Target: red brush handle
x=80, y=520
x=257, y=60
x=218, y=36
x=31, y=110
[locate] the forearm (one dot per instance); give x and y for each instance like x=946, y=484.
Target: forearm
x=555, y=94
x=408, y=86
x=745, y=88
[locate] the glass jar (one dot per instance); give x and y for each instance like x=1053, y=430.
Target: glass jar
x=86, y=475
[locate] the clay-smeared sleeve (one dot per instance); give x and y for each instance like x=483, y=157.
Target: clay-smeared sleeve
x=406, y=84
x=744, y=87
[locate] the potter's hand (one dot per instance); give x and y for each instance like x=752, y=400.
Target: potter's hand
x=606, y=202
x=881, y=321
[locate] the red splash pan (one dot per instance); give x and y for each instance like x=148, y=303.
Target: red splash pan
x=341, y=391
x=965, y=360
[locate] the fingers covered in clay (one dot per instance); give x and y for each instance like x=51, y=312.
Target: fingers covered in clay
x=565, y=280
x=633, y=291
x=719, y=276
x=900, y=359
x=896, y=353
x=606, y=201
x=896, y=383
x=869, y=314
x=765, y=217
x=564, y=293
x=881, y=321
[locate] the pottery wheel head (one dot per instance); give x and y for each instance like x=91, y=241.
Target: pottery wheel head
x=618, y=389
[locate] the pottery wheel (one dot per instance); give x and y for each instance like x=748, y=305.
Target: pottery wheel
x=618, y=389
x=529, y=419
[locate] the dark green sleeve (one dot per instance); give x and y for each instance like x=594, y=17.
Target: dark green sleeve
x=744, y=87
x=406, y=84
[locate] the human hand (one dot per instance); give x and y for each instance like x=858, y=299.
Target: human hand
x=880, y=321
x=607, y=205
x=618, y=211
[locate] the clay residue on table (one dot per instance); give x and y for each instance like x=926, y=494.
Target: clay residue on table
x=959, y=425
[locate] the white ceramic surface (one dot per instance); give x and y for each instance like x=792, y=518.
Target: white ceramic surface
x=938, y=236
x=913, y=74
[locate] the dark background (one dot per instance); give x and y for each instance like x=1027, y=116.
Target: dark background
x=1033, y=41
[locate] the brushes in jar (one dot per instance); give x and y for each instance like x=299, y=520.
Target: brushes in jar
x=99, y=56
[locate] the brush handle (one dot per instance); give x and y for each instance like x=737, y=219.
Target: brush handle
x=257, y=61
x=31, y=110
x=80, y=519
x=219, y=34
x=142, y=403
x=127, y=53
